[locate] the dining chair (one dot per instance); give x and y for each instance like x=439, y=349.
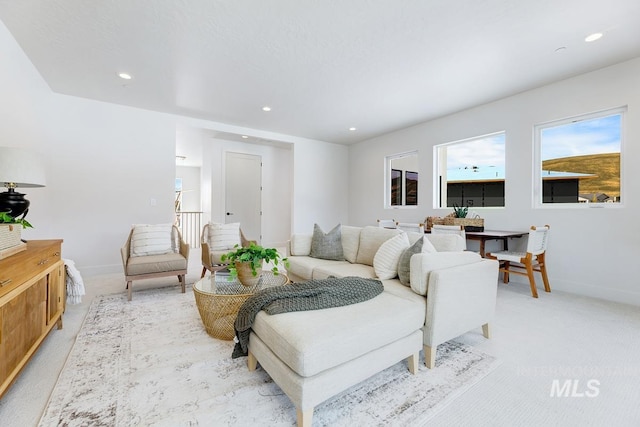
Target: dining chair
x=410, y=227
x=387, y=223
x=450, y=229
x=531, y=260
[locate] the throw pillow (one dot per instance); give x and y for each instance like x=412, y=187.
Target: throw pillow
x=148, y=239
x=300, y=244
x=405, y=259
x=223, y=237
x=385, y=261
x=350, y=242
x=371, y=238
x=327, y=245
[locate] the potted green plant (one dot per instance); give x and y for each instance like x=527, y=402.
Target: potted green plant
x=11, y=230
x=460, y=212
x=245, y=262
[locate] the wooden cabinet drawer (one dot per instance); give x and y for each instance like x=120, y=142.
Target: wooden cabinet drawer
x=18, y=268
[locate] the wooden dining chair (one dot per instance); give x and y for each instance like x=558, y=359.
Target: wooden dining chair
x=531, y=260
x=387, y=223
x=413, y=227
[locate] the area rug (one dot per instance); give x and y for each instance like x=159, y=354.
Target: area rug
x=149, y=362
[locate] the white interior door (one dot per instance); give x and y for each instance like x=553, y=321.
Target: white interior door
x=243, y=193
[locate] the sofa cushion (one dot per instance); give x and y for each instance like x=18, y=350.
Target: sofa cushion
x=343, y=269
x=350, y=242
x=385, y=261
x=423, y=264
x=327, y=245
x=303, y=266
x=223, y=237
x=156, y=264
x=404, y=261
x=310, y=342
x=300, y=244
x=370, y=240
x=151, y=239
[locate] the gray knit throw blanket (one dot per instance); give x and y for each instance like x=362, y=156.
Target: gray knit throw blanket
x=311, y=295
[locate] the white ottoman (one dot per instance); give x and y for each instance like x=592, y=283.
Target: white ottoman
x=314, y=355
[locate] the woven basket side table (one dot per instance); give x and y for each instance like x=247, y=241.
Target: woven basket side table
x=218, y=300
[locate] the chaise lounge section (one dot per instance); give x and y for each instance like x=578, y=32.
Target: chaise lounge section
x=313, y=355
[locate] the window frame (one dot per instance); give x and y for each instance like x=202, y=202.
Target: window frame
x=537, y=185
x=388, y=163
x=440, y=197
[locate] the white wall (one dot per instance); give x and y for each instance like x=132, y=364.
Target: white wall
x=107, y=162
x=592, y=252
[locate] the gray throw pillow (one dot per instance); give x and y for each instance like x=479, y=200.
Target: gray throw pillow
x=404, y=274
x=327, y=245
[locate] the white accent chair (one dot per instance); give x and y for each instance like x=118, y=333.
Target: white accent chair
x=450, y=229
x=531, y=260
x=410, y=227
x=387, y=223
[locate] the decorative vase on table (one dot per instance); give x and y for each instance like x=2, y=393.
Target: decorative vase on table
x=245, y=274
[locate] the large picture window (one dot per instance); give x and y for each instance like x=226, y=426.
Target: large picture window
x=470, y=172
x=579, y=159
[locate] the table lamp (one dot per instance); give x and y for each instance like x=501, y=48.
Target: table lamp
x=18, y=168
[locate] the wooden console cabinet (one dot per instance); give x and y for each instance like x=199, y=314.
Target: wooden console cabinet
x=32, y=300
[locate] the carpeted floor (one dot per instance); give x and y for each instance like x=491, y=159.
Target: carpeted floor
x=150, y=362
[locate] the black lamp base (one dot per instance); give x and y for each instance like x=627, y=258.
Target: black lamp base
x=14, y=203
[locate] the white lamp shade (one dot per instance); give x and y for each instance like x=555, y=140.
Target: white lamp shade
x=21, y=167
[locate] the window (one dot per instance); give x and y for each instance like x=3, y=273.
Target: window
x=470, y=172
x=401, y=182
x=578, y=160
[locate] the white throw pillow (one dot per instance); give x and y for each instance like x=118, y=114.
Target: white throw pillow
x=148, y=239
x=223, y=237
x=385, y=261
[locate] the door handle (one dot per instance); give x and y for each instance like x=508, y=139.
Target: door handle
x=229, y=213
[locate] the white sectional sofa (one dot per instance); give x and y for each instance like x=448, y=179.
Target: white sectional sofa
x=313, y=355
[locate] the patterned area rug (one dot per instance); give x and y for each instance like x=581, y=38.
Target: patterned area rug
x=150, y=362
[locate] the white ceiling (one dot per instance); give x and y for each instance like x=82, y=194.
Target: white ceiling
x=323, y=66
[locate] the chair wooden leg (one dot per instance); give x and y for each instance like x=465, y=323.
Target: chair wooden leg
x=413, y=363
x=182, y=282
x=532, y=280
x=430, y=356
x=486, y=331
x=129, y=288
x=304, y=417
x=505, y=277
x=204, y=271
x=543, y=272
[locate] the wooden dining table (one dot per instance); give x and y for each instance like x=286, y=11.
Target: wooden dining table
x=504, y=236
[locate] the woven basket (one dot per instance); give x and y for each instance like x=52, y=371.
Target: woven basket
x=10, y=235
x=433, y=220
x=469, y=224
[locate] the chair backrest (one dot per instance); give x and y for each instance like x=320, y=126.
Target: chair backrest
x=538, y=237
x=410, y=227
x=450, y=229
x=387, y=223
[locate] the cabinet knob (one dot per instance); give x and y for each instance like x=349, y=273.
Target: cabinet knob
x=43, y=261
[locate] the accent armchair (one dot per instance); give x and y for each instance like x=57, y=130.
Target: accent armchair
x=217, y=240
x=154, y=251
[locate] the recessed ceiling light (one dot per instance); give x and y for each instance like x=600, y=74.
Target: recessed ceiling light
x=125, y=76
x=593, y=37
x=266, y=108
x=244, y=137
x=352, y=129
